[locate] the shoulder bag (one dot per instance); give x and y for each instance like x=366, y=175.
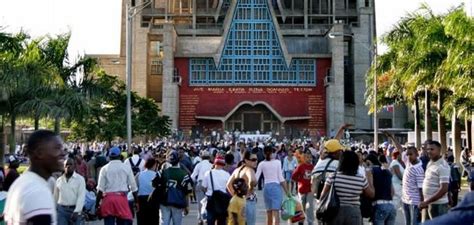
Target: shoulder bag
x=219, y=201
x=329, y=204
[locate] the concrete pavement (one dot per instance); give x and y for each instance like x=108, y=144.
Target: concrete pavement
x=191, y=218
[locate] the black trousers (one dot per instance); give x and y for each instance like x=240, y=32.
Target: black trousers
x=147, y=213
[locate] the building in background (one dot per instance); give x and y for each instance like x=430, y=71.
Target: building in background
x=283, y=66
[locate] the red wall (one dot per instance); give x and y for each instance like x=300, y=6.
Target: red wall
x=288, y=101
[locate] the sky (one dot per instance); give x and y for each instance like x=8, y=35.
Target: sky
x=95, y=24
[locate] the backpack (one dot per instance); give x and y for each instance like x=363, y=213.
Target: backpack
x=321, y=180
x=136, y=167
x=175, y=193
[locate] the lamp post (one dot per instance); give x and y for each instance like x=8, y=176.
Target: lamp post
x=132, y=11
x=373, y=50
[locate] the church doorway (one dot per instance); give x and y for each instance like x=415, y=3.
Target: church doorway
x=253, y=119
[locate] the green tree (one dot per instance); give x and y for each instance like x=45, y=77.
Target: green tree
x=24, y=76
x=432, y=54
x=105, y=119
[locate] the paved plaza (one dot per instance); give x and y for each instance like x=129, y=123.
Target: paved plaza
x=191, y=219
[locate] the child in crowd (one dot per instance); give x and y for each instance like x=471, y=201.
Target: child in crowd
x=236, y=209
x=302, y=175
x=289, y=165
x=90, y=200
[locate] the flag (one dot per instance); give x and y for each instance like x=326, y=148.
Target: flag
x=389, y=108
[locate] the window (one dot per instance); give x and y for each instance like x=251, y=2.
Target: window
x=385, y=123
x=156, y=67
x=252, y=54
x=156, y=57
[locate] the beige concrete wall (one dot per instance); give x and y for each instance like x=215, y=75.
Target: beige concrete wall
x=139, y=58
x=112, y=64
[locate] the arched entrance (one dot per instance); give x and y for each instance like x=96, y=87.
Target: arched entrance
x=248, y=118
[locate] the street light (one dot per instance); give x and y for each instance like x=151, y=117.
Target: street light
x=132, y=11
x=373, y=50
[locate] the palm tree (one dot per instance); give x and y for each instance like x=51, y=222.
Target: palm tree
x=23, y=75
x=458, y=69
x=67, y=100
x=431, y=54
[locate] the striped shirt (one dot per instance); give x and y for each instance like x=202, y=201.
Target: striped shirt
x=348, y=188
x=412, y=181
x=319, y=168
x=437, y=173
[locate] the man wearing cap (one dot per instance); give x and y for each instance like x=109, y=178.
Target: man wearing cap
x=178, y=185
x=216, y=180
x=12, y=173
x=197, y=176
x=115, y=180
x=327, y=165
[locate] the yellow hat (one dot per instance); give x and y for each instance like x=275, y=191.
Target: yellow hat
x=333, y=145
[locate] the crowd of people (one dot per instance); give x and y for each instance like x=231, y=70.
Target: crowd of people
x=159, y=182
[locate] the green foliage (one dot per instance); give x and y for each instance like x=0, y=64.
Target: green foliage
x=38, y=81
x=106, y=119
x=427, y=51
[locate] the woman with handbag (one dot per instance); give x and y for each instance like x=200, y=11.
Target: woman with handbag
x=274, y=182
x=348, y=186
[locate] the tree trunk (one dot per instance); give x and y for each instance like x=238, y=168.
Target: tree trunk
x=57, y=125
x=472, y=130
x=456, y=137
x=12, y=133
x=417, y=123
x=2, y=141
x=441, y=123
x=37, y=118
x=467, y=126
x=428, y=129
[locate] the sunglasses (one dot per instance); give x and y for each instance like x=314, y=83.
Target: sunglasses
x=253, y=159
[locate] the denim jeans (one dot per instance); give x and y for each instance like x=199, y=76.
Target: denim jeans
x=170, y=213
x=434, y=210
x=251, y=212
x=412, y=214
x=64, y=216
x=307, y=200
x=385, y=214
x=110, y=220
x=347, y=214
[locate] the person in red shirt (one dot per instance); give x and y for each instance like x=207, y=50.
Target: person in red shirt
x=302, y=175
x=81, y=166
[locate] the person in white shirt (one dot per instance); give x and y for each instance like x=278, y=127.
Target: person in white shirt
x=30, y=200
x=272, y=194
x=136, y=163
x=216, y=180
x=115, y=180
x=69, y=194
x=197, y=176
